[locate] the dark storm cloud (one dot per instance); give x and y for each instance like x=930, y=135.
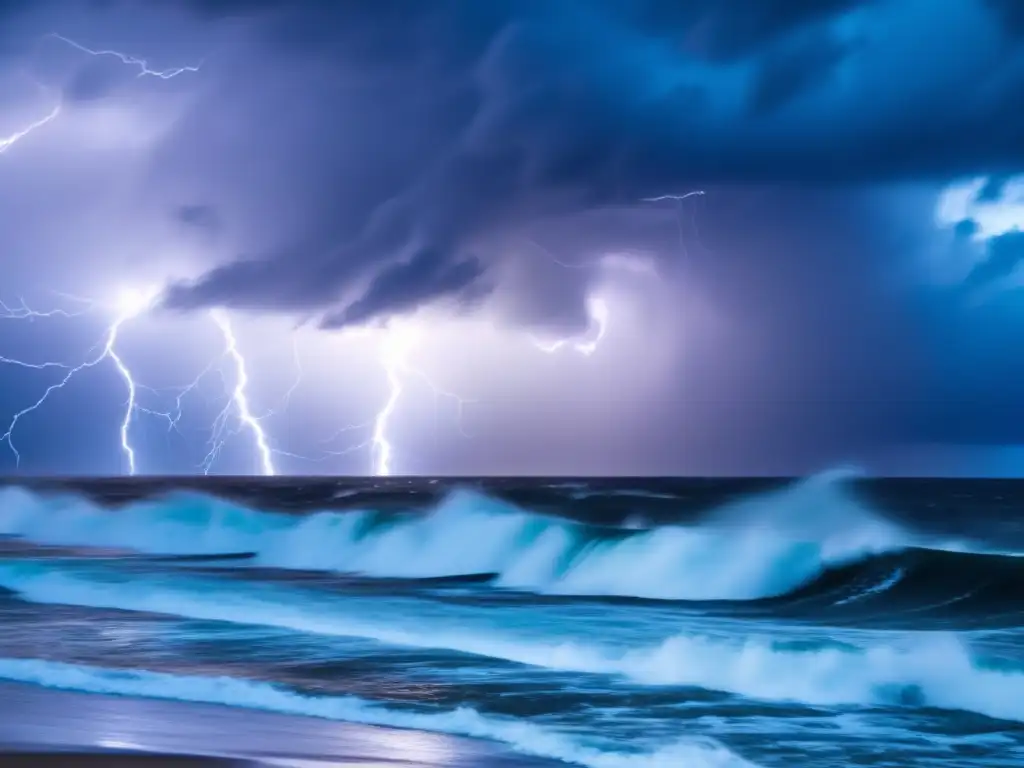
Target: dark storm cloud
x=795, y=70
x=732, y=28
x=402, y=286
x=514, y=110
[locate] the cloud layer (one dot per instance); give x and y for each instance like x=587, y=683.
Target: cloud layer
x=476, y=121
x=849, y=279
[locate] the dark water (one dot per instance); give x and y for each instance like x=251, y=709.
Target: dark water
x=824, y=622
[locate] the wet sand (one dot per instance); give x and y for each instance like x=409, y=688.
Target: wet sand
x=43, y=727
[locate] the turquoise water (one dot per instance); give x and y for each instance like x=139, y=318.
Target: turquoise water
x=796, y=627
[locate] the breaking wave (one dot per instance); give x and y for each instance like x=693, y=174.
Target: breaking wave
x=933, y=669
x=524, y=737
x=765, y=546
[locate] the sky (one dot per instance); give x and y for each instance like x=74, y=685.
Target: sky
x=584, y=237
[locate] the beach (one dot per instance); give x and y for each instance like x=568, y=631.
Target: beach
x=43, y=721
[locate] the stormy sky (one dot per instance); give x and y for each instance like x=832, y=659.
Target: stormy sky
x=512, y=237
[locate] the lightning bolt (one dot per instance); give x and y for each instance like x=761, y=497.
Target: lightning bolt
x=395, y=350
x=239, y=400
x=131, y=306
x=23, y=312
x=131, y=61
x=6, y=142
x=394, y=353
x=173, y=417
x=129, y=411
x=678, y=200
x=9, y=141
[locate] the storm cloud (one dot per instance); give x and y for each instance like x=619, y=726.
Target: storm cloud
x=481, y=118
x=353, y=166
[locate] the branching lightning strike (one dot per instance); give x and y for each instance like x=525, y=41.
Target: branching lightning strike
x=240, y=400
x=395, y=350
x=6, y=142
x=124, y=58
x=394, y=353
x=132, y=306
x=678, y=199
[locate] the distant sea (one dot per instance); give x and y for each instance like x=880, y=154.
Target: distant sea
x=613, y=623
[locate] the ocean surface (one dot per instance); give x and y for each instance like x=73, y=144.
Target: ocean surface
x=829, y=621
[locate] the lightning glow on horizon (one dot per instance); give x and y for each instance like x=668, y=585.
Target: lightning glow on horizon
x=394, y=352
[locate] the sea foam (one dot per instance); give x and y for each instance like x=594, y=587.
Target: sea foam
x=937, y=669
x=524, y=737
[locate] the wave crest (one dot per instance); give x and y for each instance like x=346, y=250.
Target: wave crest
x=760, y=547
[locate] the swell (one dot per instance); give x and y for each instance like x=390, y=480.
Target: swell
x=922, y=669
x=968, y=588
x=524, y=737
x=761, y=547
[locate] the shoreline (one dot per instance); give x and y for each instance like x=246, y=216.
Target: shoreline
x=45, y=725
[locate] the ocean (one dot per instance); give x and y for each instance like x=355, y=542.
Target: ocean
x=613, y=623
